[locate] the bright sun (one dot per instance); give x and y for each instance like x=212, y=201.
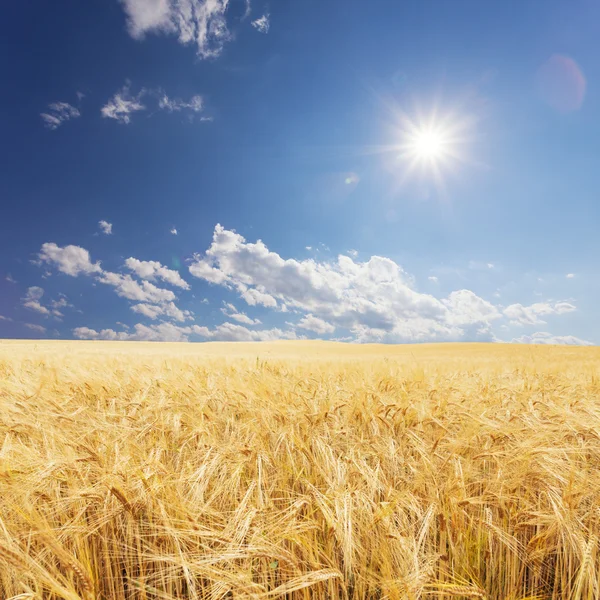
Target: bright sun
x=429, y=145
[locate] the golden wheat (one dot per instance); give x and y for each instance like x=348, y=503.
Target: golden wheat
x=298, y=470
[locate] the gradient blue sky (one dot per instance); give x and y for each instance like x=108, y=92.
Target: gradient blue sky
x=248, y=162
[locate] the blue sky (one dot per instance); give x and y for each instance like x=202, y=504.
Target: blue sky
x=248, y=170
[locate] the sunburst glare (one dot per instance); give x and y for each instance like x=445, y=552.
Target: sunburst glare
x=431, y=147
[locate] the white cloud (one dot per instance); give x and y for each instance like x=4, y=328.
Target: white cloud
x=231, y=312
x=542, y=337
x=167, y=332
x=262, y=24
x=530, y=315
x=173, y=231
x=105, y=227
x=140, y=291
x=72, y=260
x=10, y=278
x=433, y=278
x=353, y=253
x=312, y=323
x=570, y=275
x=153, y=270
x=198, y=22
x=85, y=333
x=37, y=328
x=195, y=104
x=230, y=332
x=168, y=309
x=309, y=248
x=3, y=318
x=122, y=105
x=58, y=113
x=367, y=298
x=32, y=301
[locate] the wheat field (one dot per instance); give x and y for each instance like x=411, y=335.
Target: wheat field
x=298, y=470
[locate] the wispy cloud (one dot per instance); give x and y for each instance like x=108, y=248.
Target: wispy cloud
x=476, y=265
x=543, y=337
x=58, y=113
x=3, y=318
x=198, y=22
x=166, y=309
x=531, y=315
x=37, y=328
x=33, y=301
x=315, y=324
x=262, y=24
x=105, y=227
x=123, y=105
x=173, y=231
x=231, y=312
x=194, y=104
x=10, y=278
x=570, y=275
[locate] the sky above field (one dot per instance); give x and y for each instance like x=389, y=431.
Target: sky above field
x=377, y=171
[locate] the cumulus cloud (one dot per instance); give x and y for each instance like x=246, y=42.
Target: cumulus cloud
x=105, y=227
x=122, y=105
x=152, y=301
x=71, y=260
x=530, y=315
x=570, y=275
x=198, y=22
x=231, y=312
x=167, y=309
x=58, y=113
x=262, y=24
x=374, y=299
x=312, y=323
x=168, y=332
x=542, y=337
x=153, y=270
x=140, y=291
x=173, y=231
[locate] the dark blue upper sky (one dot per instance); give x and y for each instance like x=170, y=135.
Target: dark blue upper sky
x=300, y=124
